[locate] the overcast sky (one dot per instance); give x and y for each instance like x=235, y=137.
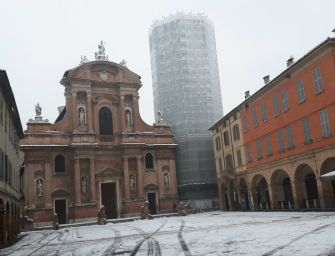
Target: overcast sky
x=41, y=39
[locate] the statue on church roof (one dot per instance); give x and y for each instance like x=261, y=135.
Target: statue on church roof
x=100, y=55
x=123, y=62
x=83, y=59
x=38, y=110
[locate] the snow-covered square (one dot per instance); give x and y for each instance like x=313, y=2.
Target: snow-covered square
x=210, y=233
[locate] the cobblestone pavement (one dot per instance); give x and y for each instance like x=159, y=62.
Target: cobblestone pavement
x=211, y=233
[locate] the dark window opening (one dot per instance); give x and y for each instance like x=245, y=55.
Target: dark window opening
x=59, y=163
x=149, y=161
x=105, y=121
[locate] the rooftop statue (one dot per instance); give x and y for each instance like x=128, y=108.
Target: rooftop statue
x=160, y=116
x=123, y=62
x=83, y=59
x=38, y=109
x=100, y=55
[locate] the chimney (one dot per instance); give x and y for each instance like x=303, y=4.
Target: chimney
x=246, y=94
x=266, y=79
x=290, y=61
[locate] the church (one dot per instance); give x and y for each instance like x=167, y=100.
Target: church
x=99, y=152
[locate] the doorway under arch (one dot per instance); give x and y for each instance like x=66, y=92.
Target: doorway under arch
x=306, y=187
x=260, y=193
x=282, y=194
x=244, y=195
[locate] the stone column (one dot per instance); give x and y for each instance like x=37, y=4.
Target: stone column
x=250, y=198
x=89, y=111
x=92, y=181
x=271, y=206
x=294, y=195
x=273, y=196
x=74, y=111
x=77, y=180
x=47, y=184
x=140, y=188
x=321, y=195
x=123, y=118
x=126, y=177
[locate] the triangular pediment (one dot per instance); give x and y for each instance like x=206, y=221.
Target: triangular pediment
x=109, y=172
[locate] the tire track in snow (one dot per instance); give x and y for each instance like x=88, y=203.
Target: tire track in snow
x=296, y=239
x=153, y=245
x=182, y=242
x=59, y=234
x=38, y=240
x=116, y=243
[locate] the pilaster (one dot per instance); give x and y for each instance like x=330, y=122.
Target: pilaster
x=77, y=180
x=126, y=178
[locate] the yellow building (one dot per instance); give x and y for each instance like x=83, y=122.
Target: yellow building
x=10, y=163
x=230, y=161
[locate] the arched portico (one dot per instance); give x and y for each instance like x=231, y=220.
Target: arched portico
x=260, y=192
x=306, y=187
x=244, y=195
x=224, y=197
x=328, y=182
x=282, y=195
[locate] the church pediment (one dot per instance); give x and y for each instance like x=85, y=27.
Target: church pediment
x=109, y=172
x=103, y=72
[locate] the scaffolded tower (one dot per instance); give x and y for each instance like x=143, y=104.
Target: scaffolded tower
x=187, y=93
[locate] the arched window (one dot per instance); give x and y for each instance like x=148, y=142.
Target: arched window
x=226, y=139
x=59, y=163
x=105, y=121
x=149, y=161
x=236, y=132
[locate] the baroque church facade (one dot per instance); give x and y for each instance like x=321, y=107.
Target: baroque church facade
x=98, y=152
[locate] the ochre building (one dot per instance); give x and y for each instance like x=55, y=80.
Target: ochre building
x=10, y=164
x=99, y=152
x=288, y=136
x=230, y=161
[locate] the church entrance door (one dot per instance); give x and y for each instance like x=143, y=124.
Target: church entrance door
x=108, y=199
x=60, y=209
x=152, y=203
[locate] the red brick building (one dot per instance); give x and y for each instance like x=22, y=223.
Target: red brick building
x=98, y=152
x=288, y=133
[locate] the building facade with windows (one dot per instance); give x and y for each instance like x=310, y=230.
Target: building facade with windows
x=10, y=163
x=186, y=88
x=98, y=152
x=230, y=161
x=288, y=129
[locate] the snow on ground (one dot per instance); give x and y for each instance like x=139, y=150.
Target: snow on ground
x=210, y=233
